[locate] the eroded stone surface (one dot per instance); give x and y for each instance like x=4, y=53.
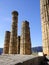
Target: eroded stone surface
x=25, y=42
x=14, y=59
x=44, y=7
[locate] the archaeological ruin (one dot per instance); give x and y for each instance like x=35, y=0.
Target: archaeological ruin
x=15, y=44
x=17, y=49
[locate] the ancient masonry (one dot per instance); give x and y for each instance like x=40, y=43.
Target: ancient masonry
x=44, y=7
x=15, y=44
x=6, y=44
x=13, y=35
x=25, y=44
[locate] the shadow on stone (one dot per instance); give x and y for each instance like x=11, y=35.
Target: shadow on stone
x=18, y=64
x=44, y=61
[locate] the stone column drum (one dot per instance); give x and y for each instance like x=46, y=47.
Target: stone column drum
x=18, y=45
x=13, y=36
x=44, y=7
x=25, y=44
x=6, y=43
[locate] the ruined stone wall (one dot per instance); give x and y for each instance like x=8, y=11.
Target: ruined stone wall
x=44, y=7
x=25, y=44
x=13, y=35
x=6, y=43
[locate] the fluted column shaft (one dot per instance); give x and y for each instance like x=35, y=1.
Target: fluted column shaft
x=6, y=43
x=44, y=7
x=13, y=36
x=25, y=44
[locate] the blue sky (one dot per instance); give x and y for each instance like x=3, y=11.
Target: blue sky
x=28, y=10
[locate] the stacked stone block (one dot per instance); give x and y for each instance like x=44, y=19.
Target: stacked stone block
x=6, y=43
x=44, y=7
x=13, y=35
x=25, y=44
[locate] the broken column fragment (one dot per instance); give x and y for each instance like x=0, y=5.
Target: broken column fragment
x=6, y=43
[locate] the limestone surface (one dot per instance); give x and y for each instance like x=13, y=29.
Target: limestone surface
x=13, y=59
x=44, y=8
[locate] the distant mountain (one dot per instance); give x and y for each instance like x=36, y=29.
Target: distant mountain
x=37, y=49
x=1, y=51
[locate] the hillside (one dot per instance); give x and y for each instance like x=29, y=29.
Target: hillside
x=1, y=50
x=37, y=49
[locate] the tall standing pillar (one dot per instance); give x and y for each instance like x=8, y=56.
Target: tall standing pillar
x=6, y=43
x=25, y=44
x=44, y=7
x=13, y=36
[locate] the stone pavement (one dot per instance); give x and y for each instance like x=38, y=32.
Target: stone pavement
x=17, y=59
x=14, y=59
